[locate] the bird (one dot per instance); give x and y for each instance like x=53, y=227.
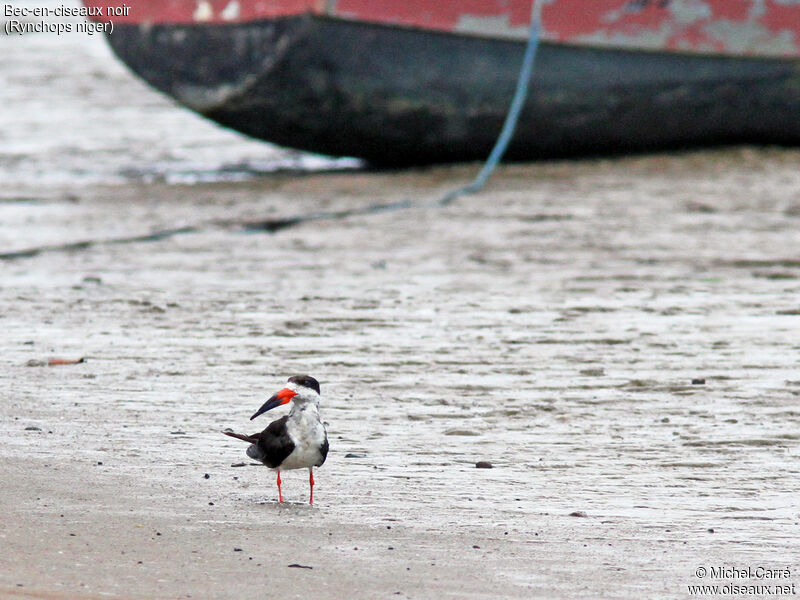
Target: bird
x=295, y=441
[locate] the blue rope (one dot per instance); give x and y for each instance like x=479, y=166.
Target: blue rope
x=513, y=112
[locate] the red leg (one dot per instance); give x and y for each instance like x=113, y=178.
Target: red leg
x=311, y=481
x=280, y=495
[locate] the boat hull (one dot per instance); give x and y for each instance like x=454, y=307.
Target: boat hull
x=399, y=96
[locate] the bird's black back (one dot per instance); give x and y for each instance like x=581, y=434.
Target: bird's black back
x=274, y=444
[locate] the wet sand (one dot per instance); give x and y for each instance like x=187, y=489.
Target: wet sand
x=552, y=325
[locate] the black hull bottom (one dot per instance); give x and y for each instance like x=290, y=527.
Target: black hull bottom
x=398, y=97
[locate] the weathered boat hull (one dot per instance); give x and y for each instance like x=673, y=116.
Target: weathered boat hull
x=398, y=95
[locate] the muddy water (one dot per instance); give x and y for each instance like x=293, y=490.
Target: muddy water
x=72, y=114
x=619, y=338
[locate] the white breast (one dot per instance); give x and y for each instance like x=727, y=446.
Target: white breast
x=306, y=430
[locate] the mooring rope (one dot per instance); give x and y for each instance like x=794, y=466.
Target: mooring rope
x=517, y=102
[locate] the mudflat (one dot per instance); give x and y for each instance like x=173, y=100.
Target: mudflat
x=618, y=338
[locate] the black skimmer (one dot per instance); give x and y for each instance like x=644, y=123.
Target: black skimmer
x=295, y=441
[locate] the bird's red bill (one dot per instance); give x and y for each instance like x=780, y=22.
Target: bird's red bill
x=282, y=397
x=285, y=395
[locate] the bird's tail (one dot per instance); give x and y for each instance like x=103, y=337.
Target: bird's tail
x=252, y=439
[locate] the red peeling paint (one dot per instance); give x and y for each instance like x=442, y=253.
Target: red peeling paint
x=185, y=11
x=733, y=10
x=779, y=16
x=562, y=22
x=603, y=19
x=434, y=14
x=637, y=24
x=695, y=37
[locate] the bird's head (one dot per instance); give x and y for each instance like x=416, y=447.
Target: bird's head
x=299, y=388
